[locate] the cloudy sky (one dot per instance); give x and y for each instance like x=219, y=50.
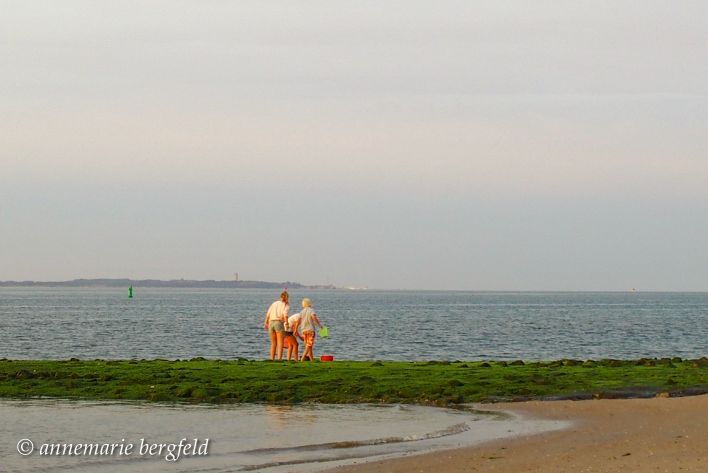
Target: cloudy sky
x=403, y=144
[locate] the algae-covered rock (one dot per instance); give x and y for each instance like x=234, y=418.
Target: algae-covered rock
x=24, y=374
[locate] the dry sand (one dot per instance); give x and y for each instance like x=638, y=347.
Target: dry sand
x=628, y=436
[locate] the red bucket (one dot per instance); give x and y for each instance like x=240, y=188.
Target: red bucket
x=327, y=358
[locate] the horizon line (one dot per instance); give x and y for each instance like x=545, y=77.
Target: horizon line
x=331, y=286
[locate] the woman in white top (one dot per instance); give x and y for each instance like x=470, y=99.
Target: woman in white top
x=276, y=320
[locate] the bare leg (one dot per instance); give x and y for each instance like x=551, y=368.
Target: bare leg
x=279, y=342
x=290, y=347
x=307, y=353
x=273, y=342
x=295, y=347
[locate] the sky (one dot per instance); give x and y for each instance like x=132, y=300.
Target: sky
x=404, y=144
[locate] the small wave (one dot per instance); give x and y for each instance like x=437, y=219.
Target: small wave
x=451, y=430
x=297, y=462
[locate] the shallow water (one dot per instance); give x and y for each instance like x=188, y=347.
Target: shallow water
x=394, y=325
x=242, y=437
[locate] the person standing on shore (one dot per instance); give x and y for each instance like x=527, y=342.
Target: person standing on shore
x=308, y=320
x=276, y=321
x=291, y=336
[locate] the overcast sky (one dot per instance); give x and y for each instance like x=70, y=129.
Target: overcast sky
x=444, y=145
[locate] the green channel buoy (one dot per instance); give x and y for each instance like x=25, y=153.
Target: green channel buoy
x=130, y=292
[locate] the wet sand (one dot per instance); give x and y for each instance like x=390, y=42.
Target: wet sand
x=607, y=436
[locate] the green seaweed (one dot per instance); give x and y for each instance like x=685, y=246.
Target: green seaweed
x=437, y=383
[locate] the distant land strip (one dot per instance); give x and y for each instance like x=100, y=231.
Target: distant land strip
x=186, y=283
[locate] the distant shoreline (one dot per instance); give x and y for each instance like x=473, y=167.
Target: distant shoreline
x=176, y=283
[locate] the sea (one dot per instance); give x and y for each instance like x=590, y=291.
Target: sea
x=245, y=437
x=89, y=323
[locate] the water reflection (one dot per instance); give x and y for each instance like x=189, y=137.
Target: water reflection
x=300, y=438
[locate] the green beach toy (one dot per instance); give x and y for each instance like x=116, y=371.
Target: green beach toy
x=324, y=333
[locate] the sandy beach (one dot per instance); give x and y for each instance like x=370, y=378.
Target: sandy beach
x=637, y=436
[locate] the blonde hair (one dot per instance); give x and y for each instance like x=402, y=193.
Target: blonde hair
x=306, y=303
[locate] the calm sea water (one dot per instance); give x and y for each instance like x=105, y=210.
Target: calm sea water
x=406, y=325
x=246, y=437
